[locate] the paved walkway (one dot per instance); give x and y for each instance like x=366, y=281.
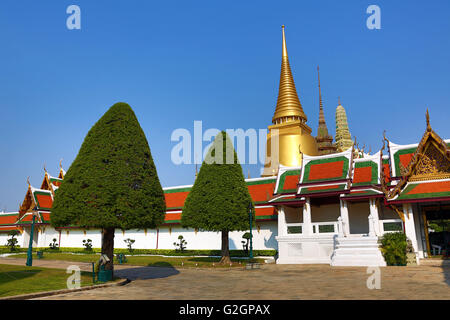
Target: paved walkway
x=270, y=282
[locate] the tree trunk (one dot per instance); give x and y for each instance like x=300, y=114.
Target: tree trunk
x=225, y=249
x=108, y=247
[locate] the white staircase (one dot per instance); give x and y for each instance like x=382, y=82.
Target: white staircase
x=357, y=250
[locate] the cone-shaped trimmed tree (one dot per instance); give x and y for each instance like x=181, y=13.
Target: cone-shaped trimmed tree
x=219, y=199
x=112, y=183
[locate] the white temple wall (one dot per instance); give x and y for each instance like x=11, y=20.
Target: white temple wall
x=46, y=234
x=4, y=238
x=73, y=238
x=358, y=213
x=144, y=238
x=263, y=237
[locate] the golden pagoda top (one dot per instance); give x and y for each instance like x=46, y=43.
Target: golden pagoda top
x=288, y=104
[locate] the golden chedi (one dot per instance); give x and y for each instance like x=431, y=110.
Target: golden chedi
x=289, y=136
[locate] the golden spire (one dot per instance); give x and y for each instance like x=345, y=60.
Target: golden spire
x=288, y=104
x=321, y=114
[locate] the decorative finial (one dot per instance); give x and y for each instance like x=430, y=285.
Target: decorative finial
x=28, y=180
x=60, y=163
x=45, y=169
x=249, y=174
x=339, y=101
x=285, y=54
x=428, y=121
x=320, y=93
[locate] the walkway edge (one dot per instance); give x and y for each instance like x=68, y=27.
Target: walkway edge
x=63, y=291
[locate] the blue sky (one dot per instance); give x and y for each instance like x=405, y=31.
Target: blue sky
x=179, y=61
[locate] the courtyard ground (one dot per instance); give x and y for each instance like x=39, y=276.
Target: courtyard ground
x=427, y=281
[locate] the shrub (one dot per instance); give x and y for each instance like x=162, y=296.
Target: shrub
x=245, y=243
x=53, y=245
x=12, y=242
x=393, y=247
x=129, y=243
x=87, y=245
x=181, y=245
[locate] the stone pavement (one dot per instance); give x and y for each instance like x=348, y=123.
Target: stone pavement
x=270, y=282
x=276, y=282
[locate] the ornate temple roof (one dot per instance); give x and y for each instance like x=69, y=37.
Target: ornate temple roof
x=260, y=189
x=326, y=168
x=8, y=220
x=287, y=180
x=422, y=171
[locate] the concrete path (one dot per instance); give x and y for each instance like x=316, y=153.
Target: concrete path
x=270, y=282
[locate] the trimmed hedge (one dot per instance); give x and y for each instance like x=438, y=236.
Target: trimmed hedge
x=165, y=252
x=5, y=249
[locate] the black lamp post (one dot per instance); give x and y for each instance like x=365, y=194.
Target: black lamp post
x=250, y=211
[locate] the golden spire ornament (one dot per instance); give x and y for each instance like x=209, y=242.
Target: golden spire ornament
x=288, y=103
x=289, y=128
x=324, y=139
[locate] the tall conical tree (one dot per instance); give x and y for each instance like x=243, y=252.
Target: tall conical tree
x=219, y=199
x=112, y=183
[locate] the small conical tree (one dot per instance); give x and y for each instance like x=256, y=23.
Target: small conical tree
x=219, y=199
x=112, y=183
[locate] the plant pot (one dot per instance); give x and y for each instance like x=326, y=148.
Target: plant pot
x=411, y=259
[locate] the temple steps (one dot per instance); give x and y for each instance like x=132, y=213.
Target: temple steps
x=360, y=250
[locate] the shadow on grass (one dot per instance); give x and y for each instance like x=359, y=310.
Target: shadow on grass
x=10, y=276
x=163, y=271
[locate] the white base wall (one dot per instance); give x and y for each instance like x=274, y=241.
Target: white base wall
x=4, y=239
x=263, y=237
x=304, y=250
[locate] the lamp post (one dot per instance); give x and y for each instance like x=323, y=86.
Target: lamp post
x=30, y=245
x=250, y=210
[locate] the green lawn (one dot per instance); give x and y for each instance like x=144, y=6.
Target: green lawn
x=15, y=280
x=151, y=261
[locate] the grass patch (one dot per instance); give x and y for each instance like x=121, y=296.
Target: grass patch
x=15, y=280
x=165, y=252
x=148, y=261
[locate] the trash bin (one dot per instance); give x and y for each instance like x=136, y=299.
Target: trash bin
x=104, y=275
x=40, y=254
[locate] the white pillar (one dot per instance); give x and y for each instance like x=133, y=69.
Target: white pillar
x=410, y=229
x=282, y=228
x=376, y=219
x=307, y=225
x=345, y=218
